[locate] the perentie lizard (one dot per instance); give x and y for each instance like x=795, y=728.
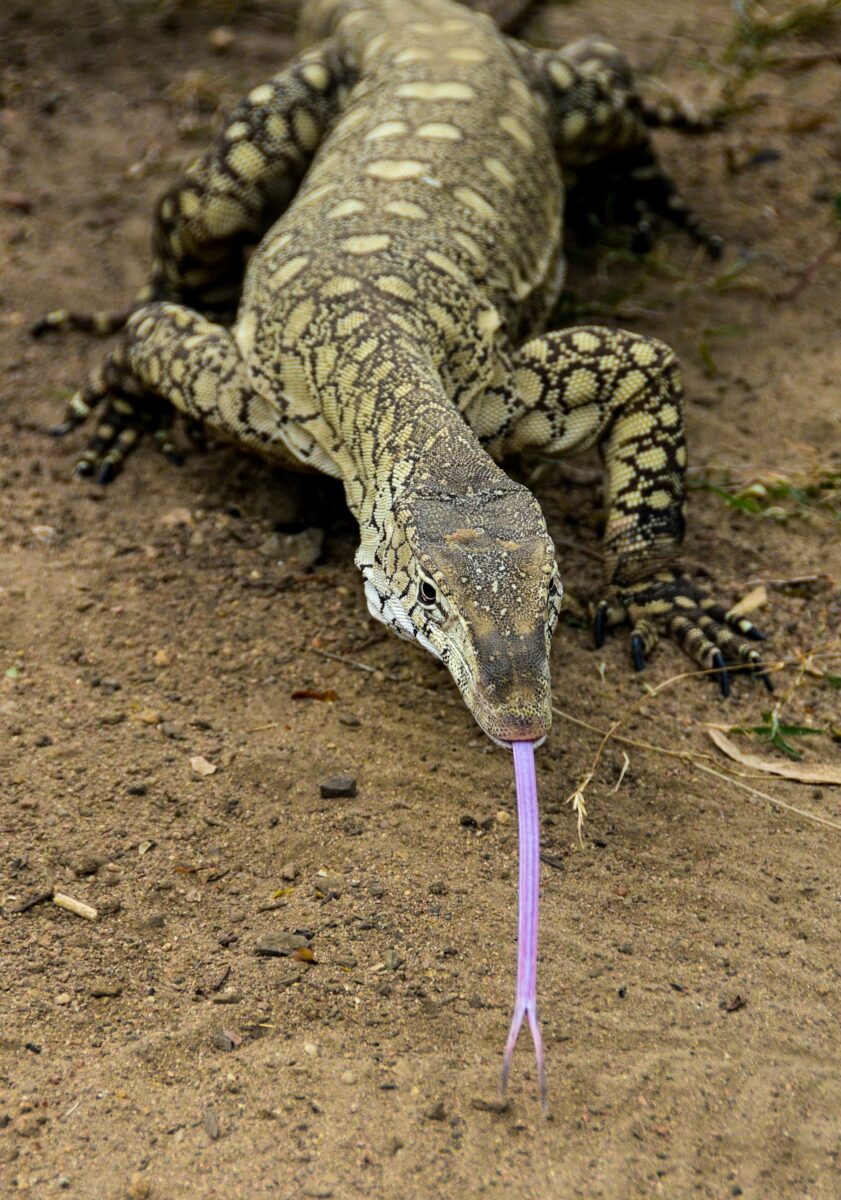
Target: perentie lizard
x=401, y=181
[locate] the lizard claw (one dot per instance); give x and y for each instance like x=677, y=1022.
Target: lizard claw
x=637, y=652
x=723, y=677
x=600, y=625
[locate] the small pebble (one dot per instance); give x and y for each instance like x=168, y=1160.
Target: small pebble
x=349, y=720
x=626, y=948
x=44, y=739
x=289, y=872
x=280, y=945
x=228, y=996
x=221, y=39
x=63, y=998
x=223, y=1041
x=498, y=1106
x=347, y=960
x=348, y=1077
x=100, y=986
x=436, y=1112
x=338, y=787
x=393, y=960
x=329, y=886
x=149, y=716
x=201, y=766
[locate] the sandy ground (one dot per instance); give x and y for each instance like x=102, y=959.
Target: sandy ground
x=689, y=975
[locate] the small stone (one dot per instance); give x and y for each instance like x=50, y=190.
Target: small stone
x=63, y=998
x=162, y=658
x=329, y=886
x=311, y=1049
x=137, y=789
x=348, y=1077
x=43, y=739
x=393, y=960
x=221, y=39
x=503, y=817
x=347, y=960
x=178, y=518
x=498, y=1106
x=436, y=1112
x=349, y=720
x=338, y=787
x=626, y=948
x=280, y=945
x=201, y=766
x=100, y=986
x=289, y=872
x=438, y=888
x=171, y=730
x=156, y=921
x=223, y=1041
x=228, y=996
x=149, y=716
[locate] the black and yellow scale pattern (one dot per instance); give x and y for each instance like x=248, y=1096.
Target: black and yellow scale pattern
x=397, y=195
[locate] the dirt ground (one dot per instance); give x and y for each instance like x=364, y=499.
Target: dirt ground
x=689, y=977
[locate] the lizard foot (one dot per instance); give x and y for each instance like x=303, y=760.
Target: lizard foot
x=125, y=419
x=670, y=602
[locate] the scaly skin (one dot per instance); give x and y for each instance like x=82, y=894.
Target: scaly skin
x=402, y=184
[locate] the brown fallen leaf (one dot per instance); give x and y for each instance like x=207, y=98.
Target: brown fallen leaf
x=755, y=599
x=304, y=955
x=826, y=773
x=327, y=694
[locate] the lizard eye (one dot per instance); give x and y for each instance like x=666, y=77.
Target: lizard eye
x=427, y=595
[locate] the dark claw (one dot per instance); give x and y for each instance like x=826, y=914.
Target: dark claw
x=40, y=327
x=600, y=628
x=755, y=635
x=723, y=677
x=107, y=473
x=766, y=679
x=173, y=457
x=61, y=430
x=637, y=653
x=84, y=468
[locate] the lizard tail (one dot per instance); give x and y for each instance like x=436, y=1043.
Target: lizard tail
x=101, y=323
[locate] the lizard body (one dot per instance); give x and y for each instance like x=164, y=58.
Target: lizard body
x=400, y=184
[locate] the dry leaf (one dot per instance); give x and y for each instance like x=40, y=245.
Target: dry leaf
x=755, y=599
x=201, y=766
x=304, y=955
x=799, y=772
x=315, y=694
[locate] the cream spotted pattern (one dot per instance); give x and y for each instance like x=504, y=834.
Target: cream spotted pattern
x=396, y=193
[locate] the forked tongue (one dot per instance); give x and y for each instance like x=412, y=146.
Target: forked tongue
x=525, y=1003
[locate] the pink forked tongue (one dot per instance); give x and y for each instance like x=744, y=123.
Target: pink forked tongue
x=525, y=1003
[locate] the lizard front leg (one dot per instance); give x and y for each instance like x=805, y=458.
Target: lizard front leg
x=580, y=387
x=169, y=356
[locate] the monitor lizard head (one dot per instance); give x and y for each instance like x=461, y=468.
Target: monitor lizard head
x=472, y=577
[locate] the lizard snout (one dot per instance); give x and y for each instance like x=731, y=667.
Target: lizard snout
x=511, y=698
